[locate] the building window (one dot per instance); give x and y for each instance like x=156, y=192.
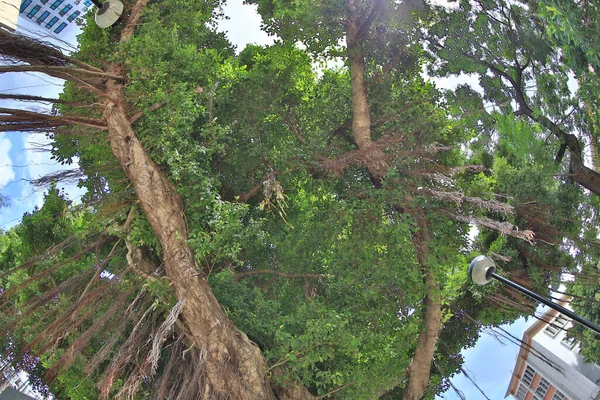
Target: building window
x=87, y=3
x=56, y=3
x=43, y=1
x=25, y=4
x=65, y=10
x=569, y=342
x=43, y=17
x=73, y=16
x=528, y=376
x=557, y=325
x=558, y=395
x=542, y=388
x=521, y=393
x=52, y=22
x=60, y=27
x=34, y=11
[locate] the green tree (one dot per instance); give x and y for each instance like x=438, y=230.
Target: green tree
x=508, y=51
x=328, y=213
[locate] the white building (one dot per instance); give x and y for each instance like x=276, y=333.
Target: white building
x=549, y=366
x=53, y=15
x=9, y=14
x=14, y=386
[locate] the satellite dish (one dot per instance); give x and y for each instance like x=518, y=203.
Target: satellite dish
x=481, y=270
x=108, y=13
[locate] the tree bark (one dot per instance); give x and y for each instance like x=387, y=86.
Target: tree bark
x=361, y=117
x=233, y=366
x=418, y=372
x=420, y=366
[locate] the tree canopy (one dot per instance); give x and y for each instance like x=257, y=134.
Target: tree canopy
x=257, y=228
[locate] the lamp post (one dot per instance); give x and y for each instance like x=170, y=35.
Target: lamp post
x=482, y=270
x=108, y=12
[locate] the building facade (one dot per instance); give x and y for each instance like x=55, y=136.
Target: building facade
x=13, y=386
x=9, y=14
x=549, y=366
x=53, y=15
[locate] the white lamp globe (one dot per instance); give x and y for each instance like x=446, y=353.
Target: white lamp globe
x=109, y=13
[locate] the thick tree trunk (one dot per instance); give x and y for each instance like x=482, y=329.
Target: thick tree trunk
x=361, y=117
x=420, y=366
x=233, y=366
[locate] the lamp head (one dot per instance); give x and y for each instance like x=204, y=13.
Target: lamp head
x=109, y=13
x=481, y=270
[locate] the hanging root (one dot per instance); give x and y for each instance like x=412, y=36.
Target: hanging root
x=161, y=334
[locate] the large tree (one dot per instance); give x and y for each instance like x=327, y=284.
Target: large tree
x=231, y=364
x=328, y=213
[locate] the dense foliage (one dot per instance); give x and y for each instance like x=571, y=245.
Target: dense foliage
x=327, y=242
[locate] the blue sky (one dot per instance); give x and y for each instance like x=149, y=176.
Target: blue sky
x=20, y=156
x=489, y=363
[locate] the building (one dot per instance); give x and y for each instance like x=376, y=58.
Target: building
x=13, y=394
x=53, y=15
x=13, y=385
x=9, y=14
x=549, y=366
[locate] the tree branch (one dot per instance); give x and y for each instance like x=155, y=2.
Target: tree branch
x=139, y=115
x=505, y=228
x=25, y=49
x=22, y=97
x=248, y=195
x=242, y=275
x=459, y=198
x=133, y=20
x=21, y=120
x=366, y=24
x=58, y=71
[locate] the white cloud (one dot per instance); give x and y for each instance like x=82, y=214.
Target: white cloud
x=39, y=164
x=7, y=173
x=243, y=25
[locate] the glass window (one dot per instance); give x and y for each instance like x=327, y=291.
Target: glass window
x=60, y=27
x=528, y=376
x=542, y=388
x=557, y=325
x=73, y=16
x=43, y=17
x=521, y=393
x=52, y=22
x=87, y=3
x=569, y=342
x=65, y=10
x=43, y=1
x=558, y=395
x=56, y=3
x=33, y=11
x=25, y=4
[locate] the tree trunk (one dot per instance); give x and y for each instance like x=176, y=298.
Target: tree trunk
x=361, y=117
x=233, y=366
x=418, y=373
x=420, y=366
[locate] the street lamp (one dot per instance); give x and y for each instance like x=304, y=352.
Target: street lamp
x=108, y=12
x=482, y=270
